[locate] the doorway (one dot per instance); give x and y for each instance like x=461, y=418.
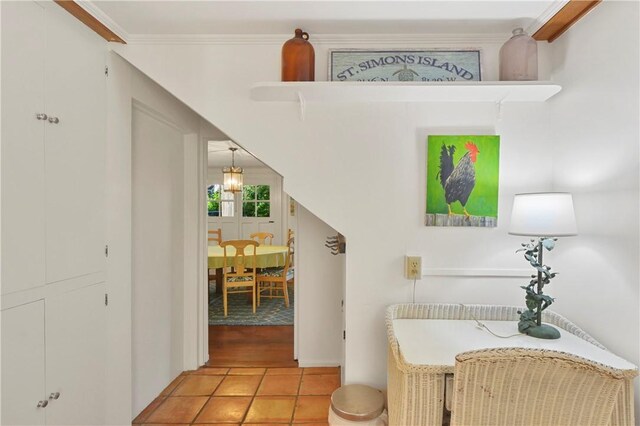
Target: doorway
x=242, y=338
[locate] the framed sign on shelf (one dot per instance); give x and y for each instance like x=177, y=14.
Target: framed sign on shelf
x=445, y=65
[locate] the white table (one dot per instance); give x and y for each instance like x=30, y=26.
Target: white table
x=437, y=342
x=424, y=339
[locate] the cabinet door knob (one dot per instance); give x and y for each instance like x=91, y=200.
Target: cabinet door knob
x=54, y=395
x=41, y=116
x=54, y=120
x=42, y=404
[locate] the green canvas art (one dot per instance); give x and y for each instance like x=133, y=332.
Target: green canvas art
x=462, y=180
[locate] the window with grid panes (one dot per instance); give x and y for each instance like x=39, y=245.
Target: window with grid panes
x=256, y=201
x=219, y=202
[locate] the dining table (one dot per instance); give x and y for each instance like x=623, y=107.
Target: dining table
x=267, y=256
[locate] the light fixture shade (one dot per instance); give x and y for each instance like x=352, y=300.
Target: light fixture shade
x=232, y=179
x=232, y=176
x=543, y=214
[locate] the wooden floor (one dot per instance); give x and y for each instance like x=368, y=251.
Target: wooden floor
x=251, y=346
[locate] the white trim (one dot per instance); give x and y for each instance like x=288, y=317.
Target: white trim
x=105, y=19
x=145, y=109
x=546, y=16
x=318, y=363
x=477, y=273
x=203, y=267
x=381, y=40
x=191, y=250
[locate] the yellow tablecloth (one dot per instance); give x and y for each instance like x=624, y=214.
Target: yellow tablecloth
x=266, y=256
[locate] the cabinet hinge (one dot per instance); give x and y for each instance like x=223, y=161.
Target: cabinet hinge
x=106, y=251
x=106, y=299
x=344, y=335
x=106, y=71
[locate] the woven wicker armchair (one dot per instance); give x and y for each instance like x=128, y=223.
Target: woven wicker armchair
x=522, y=387
x=416, y=392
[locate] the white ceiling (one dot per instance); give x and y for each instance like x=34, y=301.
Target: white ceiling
x=220, y=156
x=148, y=17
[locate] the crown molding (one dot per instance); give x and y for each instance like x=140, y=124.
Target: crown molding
x=106, y=20
x=546, y=16
x=396, y=40
x=386, y=40
x=571, y=13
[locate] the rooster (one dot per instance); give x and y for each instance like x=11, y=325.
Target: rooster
x=458, y=181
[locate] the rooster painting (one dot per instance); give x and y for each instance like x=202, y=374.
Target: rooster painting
x=458, y=182
x=462, y=180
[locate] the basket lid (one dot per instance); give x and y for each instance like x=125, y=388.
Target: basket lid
x=357, y=402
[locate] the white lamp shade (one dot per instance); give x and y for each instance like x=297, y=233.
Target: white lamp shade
x=544, y=214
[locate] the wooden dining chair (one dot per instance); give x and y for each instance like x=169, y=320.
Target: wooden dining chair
x=214, y=237
x=289, y=234
x=274, y=280
x=239, y=273
x=291, y=271
x=264, y=238
x=521, y=387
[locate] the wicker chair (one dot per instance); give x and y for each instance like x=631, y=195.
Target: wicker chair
x=416, y=392
x=521, y=387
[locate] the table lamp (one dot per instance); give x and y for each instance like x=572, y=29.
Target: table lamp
x=546, y=216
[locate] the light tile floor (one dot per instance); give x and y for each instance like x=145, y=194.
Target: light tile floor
x=245, y=396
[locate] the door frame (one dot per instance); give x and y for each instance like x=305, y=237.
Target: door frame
x=200, y=299
x=201, y=345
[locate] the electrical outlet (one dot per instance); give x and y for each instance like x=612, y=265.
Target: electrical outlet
x=413, y=267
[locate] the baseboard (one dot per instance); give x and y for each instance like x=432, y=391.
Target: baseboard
x=318, y=363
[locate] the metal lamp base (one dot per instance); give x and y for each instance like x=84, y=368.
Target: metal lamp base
x=543, y=331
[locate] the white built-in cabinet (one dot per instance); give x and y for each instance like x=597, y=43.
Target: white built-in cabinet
x=53, y=168
x=53, y=358
x=23, y=370
x=53, y=279
x=22, y=150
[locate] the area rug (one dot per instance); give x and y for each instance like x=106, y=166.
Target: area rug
x=270, y=311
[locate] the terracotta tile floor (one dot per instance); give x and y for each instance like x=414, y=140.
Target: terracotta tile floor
x=244, y=396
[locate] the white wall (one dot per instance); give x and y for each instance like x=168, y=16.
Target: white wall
x=157, y=224
x=361, y=169
x=173, y=334
x=596, y=151
x=318, y=292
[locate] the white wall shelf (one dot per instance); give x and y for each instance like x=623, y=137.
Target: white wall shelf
x=331, y=91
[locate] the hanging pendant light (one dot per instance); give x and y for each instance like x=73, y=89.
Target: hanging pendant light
x=232, y=176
